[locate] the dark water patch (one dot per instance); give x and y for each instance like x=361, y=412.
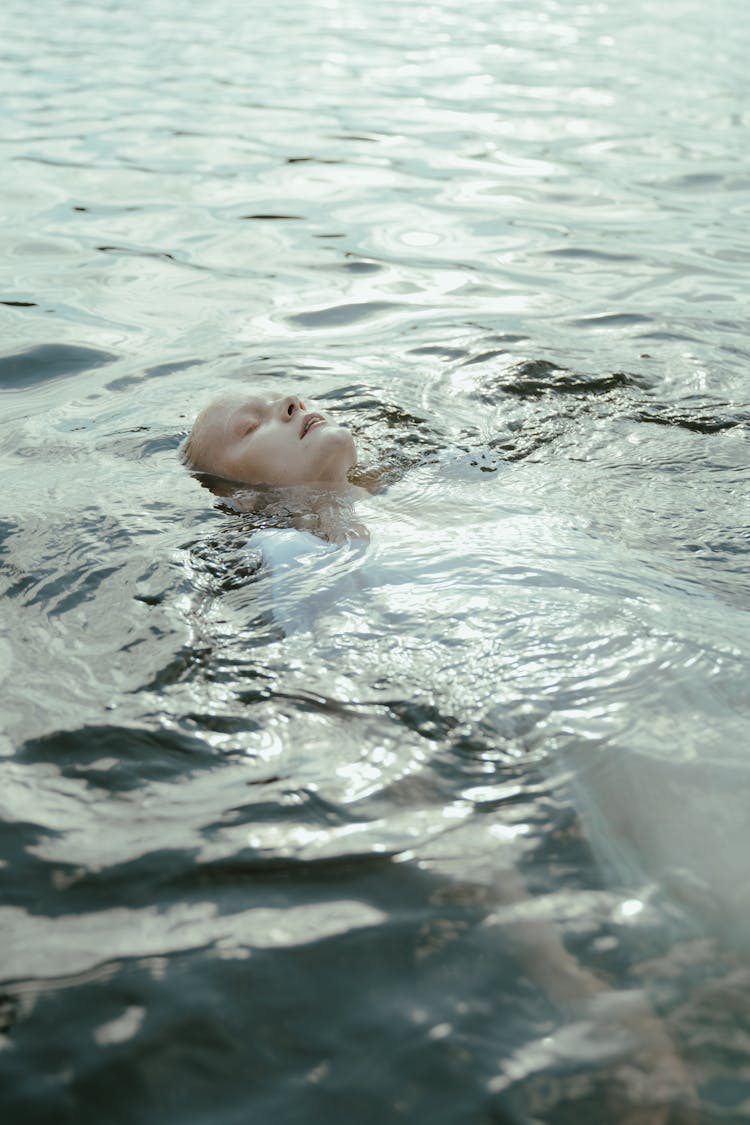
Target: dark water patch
x=540, y=377
x=160, y=1029
x=7, y=530
x=352, y=395
x=360, y=267
x=30, y=882
x=158, y=371
x=54, y=581
x=397, y=418
x=711, y=421
x=529, y=443
x=49, y=361
x=182, y=666
x=304, y=701
x=8, y=1012
x=251, y=867
x=313, y=160
x=20, y=304
x=141, y=449
x=118, y=759
x=611, y=320
x=731, y=255
x=224, y=723
x=161, y=369
x=667, y=334
x=507, y=740
x=442, y=351
x=163, y=443
x=283, y=806
x=110, y=209
x=21, y=581
x=728, y=548
x=590, y=255
x=393, y=440
x=136, y=252
x=271, y=217
x=483, y=357
x=506, y=338
x=47, y=160
x=222, y=563
x=150, y=599
x=692, y=181
x=85, y=582
x=410, y=1030
x=372, y=139
x=424, y=718
x=336, y=316
x=18, y=837
x=367, y=410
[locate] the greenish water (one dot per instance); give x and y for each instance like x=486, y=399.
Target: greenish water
x=248, y=876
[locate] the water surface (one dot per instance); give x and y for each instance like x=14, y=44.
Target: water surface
x=248, y=875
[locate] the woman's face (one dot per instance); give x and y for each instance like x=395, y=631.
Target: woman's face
x=270, y=441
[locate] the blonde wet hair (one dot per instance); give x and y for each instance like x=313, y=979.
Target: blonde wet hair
x=194, y=453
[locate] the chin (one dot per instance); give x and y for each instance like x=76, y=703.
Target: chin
x=339, y=436
x=340, y=452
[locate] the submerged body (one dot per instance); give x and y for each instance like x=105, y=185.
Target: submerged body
x=323, y=592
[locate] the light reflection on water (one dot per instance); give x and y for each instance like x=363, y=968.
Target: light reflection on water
x=257, y=874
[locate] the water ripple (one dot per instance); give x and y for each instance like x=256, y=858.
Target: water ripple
x=240, y=856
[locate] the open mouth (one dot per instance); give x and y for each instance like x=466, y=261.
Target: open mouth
x=310, y=421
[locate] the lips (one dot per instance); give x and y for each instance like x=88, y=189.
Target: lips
x=310, y=421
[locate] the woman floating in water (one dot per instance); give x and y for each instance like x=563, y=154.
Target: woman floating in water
x=249, y=440
x=242, y=445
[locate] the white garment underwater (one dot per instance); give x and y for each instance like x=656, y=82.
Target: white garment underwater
x=308, y=575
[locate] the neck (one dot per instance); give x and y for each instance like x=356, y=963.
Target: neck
x=325, y=510
x=329, y=513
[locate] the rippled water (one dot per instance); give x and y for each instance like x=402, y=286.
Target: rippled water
x=370, y=872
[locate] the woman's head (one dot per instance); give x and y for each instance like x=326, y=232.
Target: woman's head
x=276, y=441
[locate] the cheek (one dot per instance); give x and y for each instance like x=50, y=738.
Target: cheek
x=264, y=449
x=281, y=458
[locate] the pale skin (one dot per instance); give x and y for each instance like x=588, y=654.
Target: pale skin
x=275, y=441
x=253, y=440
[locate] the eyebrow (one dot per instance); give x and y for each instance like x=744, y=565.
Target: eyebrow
x=243, y=418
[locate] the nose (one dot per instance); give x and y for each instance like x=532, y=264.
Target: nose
x=289, y=406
